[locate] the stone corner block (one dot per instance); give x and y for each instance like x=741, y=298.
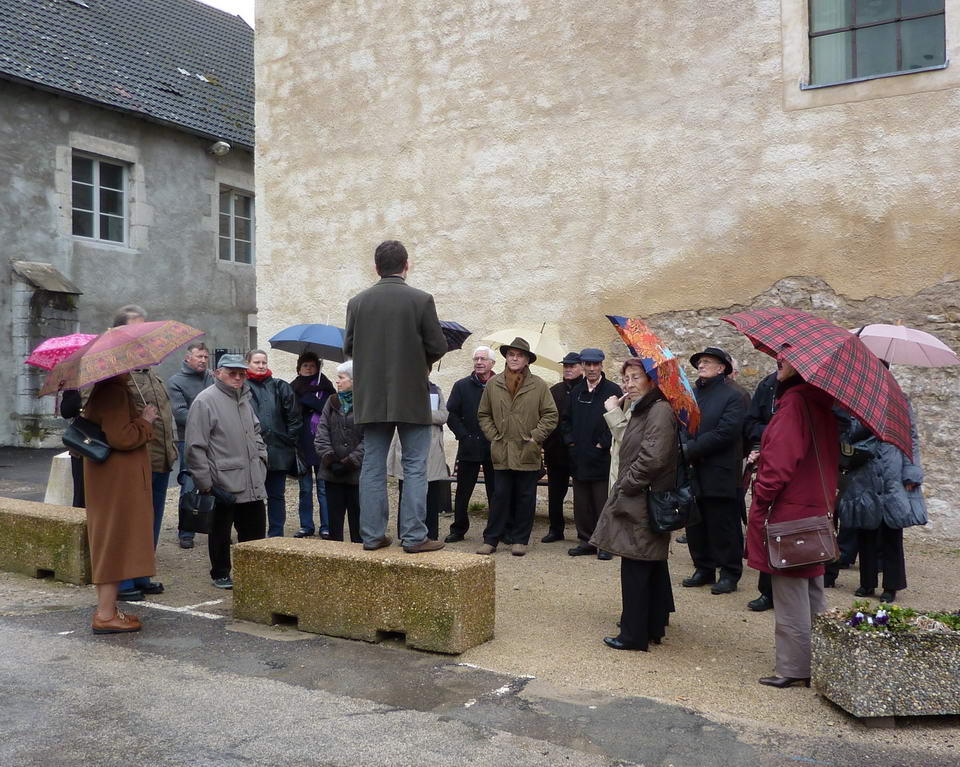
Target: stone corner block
x=442, y=601
x=886, y=674
x=39, y=539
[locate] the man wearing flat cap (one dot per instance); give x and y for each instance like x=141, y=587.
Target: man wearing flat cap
x=588, y=438
x=516, y=414
x=555, y=453
x=226, y=455
x=715, y=452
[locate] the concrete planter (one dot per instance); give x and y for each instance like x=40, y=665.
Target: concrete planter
x=886, y=674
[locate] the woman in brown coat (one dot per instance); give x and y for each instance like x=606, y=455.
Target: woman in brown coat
x=119, y=505
x=648, y=460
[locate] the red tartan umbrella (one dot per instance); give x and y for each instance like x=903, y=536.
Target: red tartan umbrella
x=836, y=361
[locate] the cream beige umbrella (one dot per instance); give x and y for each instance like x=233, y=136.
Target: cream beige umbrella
x=544, y=340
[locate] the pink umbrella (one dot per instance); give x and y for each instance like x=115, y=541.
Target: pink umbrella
x=51, y=351
x=119, y=350
x=900, y=345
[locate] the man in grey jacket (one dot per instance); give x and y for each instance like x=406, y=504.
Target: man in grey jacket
x=393, y=336
x=226, y=456
x=182, y=389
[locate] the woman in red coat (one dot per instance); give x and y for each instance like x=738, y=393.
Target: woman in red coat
x=796, y=478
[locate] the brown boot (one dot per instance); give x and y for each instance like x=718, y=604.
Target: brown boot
x=519, y=549
x=380, y=543
x=486, y=549
x=425, y=545
x=118, y=624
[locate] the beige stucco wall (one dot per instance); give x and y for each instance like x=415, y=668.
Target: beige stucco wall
x=558, y=160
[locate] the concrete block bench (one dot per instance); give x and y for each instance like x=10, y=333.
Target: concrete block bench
x=442, y=601
x=42, y=540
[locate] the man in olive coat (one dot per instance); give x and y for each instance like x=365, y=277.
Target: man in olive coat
x=516, y=414
x=393, y=336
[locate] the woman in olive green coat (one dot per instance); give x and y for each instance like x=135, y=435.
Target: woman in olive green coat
x=648, y=461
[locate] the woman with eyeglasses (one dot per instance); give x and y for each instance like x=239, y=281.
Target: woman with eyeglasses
x=648, y=454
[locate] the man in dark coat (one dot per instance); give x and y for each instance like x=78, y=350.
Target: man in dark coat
x=473, y=449
x=758, y=416
x=555, y=453
x=182, y=389
x=588, y=438
x=716, y=453
x=394, y=336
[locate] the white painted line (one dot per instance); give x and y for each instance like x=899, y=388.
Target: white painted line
x=203, y=604
x=63, y=633
x=182, y=610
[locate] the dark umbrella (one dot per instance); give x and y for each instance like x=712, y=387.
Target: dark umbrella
x=456, y=334
x=326, y=341
x=836, y=361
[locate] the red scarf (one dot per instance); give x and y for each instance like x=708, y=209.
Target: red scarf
x=259, y=376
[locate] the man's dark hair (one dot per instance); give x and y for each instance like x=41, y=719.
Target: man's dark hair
x=126, y=313
x=199, y=346
x=390, y=258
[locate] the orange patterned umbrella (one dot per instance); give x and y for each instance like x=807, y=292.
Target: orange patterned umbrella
x=119, y=350
x=662, y=367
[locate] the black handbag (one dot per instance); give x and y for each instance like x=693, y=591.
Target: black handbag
x=196, y=511
x=675, y=508
x=87, y=440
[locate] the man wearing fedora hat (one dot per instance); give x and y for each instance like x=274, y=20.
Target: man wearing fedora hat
x=588, y=438
x=715, y=452
x=516, y=414
x=555, y=453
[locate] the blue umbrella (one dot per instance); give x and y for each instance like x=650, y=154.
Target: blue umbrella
x=326, y=341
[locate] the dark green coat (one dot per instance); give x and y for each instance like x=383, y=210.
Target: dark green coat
x=392, y=335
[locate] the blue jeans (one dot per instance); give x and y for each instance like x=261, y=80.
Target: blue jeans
x=186, y=488
x=306, y=501
x=415, y=447
x=160, y=483
x=275, y=485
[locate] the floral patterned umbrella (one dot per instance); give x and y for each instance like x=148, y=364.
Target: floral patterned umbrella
x=53, y=350
x=662, y=367
x=119, y=350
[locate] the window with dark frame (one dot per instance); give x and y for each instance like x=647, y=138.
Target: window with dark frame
x=858, y=39
x=99, y=199
x=236, y=226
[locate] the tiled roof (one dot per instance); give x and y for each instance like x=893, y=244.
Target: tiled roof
x=176, y=62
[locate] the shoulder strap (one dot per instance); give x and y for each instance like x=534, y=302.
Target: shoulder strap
x=816, y=452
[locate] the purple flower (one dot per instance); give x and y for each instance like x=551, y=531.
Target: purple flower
x=882, y=618
x=856, y=620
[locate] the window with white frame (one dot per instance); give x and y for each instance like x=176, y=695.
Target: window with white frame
x=99, y=198
x=859, y=39
x=236, y=226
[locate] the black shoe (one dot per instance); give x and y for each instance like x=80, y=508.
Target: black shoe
x=130, y=595
x=551, y=537
x=829, y=580
x=604, y=555
x=453, y=538
x=154, y=587
x=303, y=533
x=888, y=596
x=186, y=543
x=784, y=681
x=615, y=643
x=699, y=578
x=725, y=586
x=864, y=592
x=761, y=603
x=581, y=549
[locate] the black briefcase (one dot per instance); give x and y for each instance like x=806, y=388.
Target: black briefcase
x=196, y=512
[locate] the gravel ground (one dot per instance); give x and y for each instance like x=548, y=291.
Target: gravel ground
x=553, y=610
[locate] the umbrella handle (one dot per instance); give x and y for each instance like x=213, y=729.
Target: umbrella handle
x=142, y=399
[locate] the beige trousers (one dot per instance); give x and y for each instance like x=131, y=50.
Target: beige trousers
x=795, y=602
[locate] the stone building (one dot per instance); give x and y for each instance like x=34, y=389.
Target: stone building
x=126, y=176
x=562, y=160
